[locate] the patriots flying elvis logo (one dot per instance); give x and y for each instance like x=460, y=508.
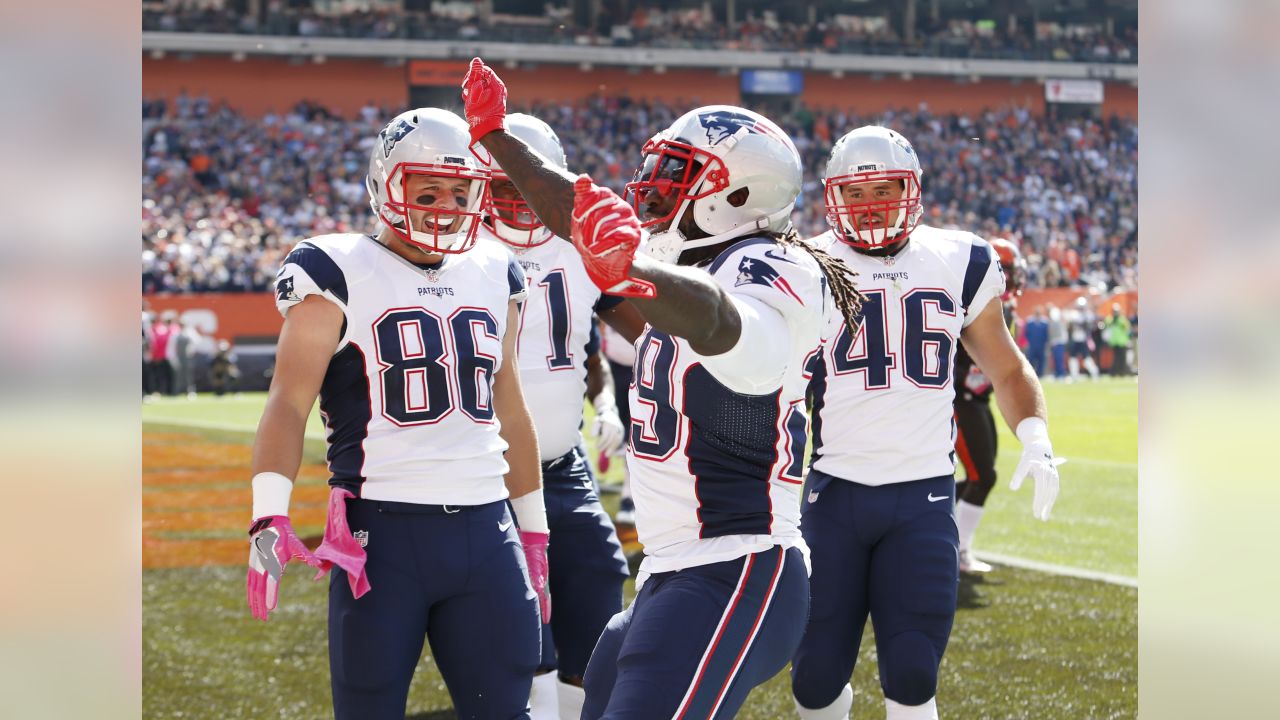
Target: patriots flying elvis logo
x=759, y=272
x=285, y=291
x=722, y=124
x=392, y=135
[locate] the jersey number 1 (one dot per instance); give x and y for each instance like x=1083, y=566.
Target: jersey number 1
x=427, y=362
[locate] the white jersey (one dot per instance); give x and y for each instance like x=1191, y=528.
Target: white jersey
x=717, y=443
x=882, y=410
x=557, y=334
x=407, y=399
x=616, y=348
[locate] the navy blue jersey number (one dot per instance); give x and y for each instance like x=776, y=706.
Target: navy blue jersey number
x=413, y=350
x=867, y=350
x=655, y=434
x=475, y=368
x=558, y=324
x=929, y=362
x=926, y=351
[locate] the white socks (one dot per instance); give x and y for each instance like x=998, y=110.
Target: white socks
x=968, y=516
x=897, y=711
x=543, y=698
x=571, y=698
x=838, y=710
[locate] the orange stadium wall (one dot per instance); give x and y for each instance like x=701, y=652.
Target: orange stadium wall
x=255, y=86
x=253, y=315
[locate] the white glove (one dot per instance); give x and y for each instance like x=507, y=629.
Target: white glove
x=607, y=427
x=1038, y=460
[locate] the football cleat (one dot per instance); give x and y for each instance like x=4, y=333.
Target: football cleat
x=969, y=563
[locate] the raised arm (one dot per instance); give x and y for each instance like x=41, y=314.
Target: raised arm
x=678, y=301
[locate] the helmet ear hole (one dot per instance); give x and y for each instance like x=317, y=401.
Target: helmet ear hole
x=738, y=197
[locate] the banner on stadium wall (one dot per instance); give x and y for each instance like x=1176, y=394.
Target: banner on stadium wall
x=1087, y=92
x=436, y=73
x=772, y=82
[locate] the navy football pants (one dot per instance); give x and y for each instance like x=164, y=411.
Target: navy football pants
x=888, y=551
x=587, y=566
x=454, y=575
x=695, y=642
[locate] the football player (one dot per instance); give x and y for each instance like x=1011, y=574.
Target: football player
x=975, y=425
x=559, y=361
x=734, y=303
x=621, y=355
x=878, y=507
x=409, y=339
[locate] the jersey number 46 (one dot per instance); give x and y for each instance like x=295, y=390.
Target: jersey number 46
x=926, y=350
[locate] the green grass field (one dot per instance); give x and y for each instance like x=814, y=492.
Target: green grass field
x=1026, y=643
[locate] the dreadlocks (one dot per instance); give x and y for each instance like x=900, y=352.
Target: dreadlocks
x=839, y=276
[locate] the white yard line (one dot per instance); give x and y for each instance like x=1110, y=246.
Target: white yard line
x=1052, y=569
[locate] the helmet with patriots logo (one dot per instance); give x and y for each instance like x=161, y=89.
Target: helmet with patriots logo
x=873, y=157
x=511, y=219
x=732, y=170
x=435, y=143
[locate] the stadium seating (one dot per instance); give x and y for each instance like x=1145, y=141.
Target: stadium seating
x=226, y=196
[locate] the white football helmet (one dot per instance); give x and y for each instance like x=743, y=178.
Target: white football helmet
x=704, y=157
x=435, y=143
x=872, y=154
x=521, y=228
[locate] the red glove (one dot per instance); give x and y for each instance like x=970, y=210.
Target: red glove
x=606, y=232
x=484, y=100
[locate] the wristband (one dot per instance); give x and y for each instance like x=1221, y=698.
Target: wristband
x=531, y=512
x=1031, y=430
x=271, y=494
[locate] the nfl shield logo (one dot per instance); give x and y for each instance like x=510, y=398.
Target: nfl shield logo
x=362, y=537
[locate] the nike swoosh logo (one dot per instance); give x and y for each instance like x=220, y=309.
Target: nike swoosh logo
x=936, y=499
x=504, y=526
x=269, y=561
x=769, y=254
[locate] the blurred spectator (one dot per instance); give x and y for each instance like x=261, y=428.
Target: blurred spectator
x=1081, y=322
x=147, y=321
x=1116, y=334
x=1037, y=334
x=1062, y=190
x=185, y=345
x=689, y=27
x=1058, y=342
x=162, y=352
x=223, y=373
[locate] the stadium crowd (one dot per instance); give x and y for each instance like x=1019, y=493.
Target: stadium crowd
x=226, y=196
x=676, y=28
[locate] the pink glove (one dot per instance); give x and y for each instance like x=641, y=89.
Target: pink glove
x=607, y=233
x=272, y=544
x=484, y=100
x=535, y=556
x=339, y=546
